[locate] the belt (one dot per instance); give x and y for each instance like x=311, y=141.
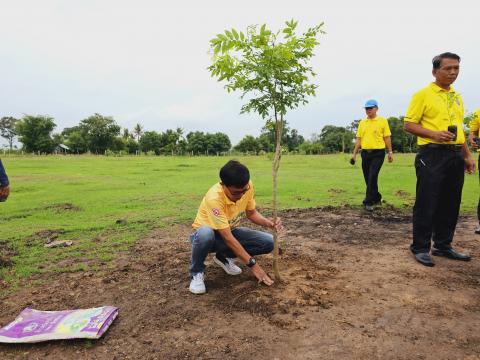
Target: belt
x=449, y=147
x=372, y=150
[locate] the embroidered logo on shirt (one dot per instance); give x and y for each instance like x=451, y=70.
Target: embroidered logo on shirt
x=215, y=211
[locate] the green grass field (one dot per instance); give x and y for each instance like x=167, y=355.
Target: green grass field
x=150, y=192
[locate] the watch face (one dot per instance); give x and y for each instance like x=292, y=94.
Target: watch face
x=252, y=262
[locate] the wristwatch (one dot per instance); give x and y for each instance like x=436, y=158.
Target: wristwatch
x=251, y=262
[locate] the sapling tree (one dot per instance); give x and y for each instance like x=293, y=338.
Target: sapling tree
x=271, y=71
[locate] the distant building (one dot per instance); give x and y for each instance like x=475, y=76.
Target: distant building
x=62, y=149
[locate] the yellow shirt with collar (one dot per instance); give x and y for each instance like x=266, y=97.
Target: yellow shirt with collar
x=435, y=109
x=474, y=124
x=219, y=212
x=372, y=133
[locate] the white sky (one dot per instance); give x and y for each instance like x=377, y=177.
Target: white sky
x=145, y=61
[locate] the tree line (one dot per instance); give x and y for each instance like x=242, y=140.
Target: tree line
x=100, y=134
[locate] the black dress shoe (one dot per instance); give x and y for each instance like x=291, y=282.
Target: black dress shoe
x=424, y=259
x=451, y=254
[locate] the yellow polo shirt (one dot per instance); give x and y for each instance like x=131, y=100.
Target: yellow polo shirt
x=474, y=124
x=435, y=109
x=219, y=212
x=372, y=133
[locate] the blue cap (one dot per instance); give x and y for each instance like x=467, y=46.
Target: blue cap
x=371, y=103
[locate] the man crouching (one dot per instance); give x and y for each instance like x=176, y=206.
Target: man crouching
x=216, y=228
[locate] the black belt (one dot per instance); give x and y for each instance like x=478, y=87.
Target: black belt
x=372, y=150
x=449, y=147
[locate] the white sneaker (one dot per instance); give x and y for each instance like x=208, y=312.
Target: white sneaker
x=230, y=267
x=197, y=286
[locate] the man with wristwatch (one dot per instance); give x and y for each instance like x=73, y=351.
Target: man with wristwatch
x=216, y=228
x=373, y=136
x=435, y=115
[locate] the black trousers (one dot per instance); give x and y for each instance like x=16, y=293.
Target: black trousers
x=440, y=176
x=372, y=161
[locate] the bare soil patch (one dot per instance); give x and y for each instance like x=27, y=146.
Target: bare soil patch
x=63, y=207
x=350, y=290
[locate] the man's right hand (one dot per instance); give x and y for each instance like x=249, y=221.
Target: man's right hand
x=442, y=136
x=261, y=275
x=473, y=143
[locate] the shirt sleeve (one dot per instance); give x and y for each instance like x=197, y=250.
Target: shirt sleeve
x=3, y=176
x=251, y=205
x=416, y=108
x=386, y=129
x=473, y=125
x=216, y=215
x=360, y=129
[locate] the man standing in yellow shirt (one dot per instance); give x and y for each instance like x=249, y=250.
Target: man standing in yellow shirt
x=216, y=228
x=435, y=116
x=373, y=135
x=474, y=138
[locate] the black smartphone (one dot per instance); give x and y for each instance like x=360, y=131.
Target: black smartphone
x=453, y=130
x=352, y=161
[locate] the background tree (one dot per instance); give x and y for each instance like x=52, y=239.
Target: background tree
x=402, y=141
x=75, y=138
x=132, y=146
x=100, y=132
x=151, y=141
x=196, y=142
x=8, y=130
x=249, y=144
x=138, y=131
x=34, y=133
x=217, y=143
x=336, y=139
x=127, y=134
x=312, y=146
x=172, y=139
x=271, y=70
x=293, y=140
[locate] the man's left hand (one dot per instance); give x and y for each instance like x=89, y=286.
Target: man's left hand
x=390, y=157
x=469, y=165
x=276, y=225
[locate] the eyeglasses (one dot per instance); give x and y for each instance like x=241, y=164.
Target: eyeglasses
x=370, y=108
x=239, y=193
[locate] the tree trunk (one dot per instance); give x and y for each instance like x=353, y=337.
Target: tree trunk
x=276, y=164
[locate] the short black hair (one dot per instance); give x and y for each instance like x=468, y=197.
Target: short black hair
x=233, y=173
x=437, y=60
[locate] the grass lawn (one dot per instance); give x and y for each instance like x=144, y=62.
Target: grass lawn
x=80, y=198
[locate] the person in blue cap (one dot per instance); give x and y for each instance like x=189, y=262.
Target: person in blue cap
x=373, y=136
x=4, y=184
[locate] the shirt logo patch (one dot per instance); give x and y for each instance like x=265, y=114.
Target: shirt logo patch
x=215, y=211
x=458, y=101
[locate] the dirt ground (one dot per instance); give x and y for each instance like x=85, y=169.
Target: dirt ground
x=350, y=290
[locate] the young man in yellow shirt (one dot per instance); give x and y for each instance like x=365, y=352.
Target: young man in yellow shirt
x=216, y=228
x=435, y=116
x=474, y=138
x=373, y=135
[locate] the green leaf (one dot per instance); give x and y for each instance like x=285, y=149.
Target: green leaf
x=235, y=34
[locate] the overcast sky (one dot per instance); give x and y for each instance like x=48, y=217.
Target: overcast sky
x=145, y=61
